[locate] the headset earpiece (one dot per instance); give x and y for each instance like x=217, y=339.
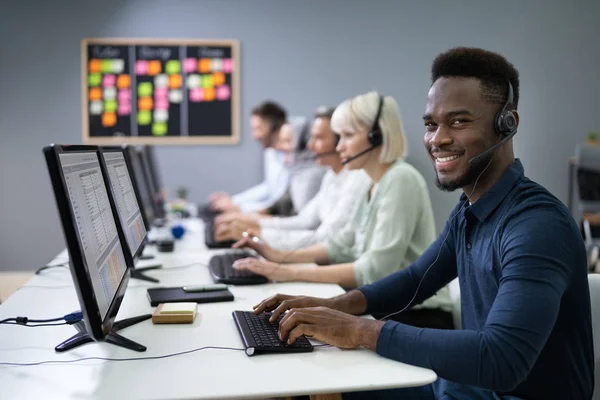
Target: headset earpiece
x=375, y=136
x=505, y=122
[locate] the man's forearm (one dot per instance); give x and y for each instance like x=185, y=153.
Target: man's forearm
x=353, y=302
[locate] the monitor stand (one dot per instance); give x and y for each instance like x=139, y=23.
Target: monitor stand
x=138, y=273
x=83, y=337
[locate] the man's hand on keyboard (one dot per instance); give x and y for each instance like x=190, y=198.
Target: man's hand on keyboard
x=233, y=229
x=273, y=271
x=280, y=303
x=330, y=326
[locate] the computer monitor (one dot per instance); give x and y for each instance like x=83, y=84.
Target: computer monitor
x=140, y=183
x=98, y=264
x=119, y=181
x=156, y=193
x=150, y=157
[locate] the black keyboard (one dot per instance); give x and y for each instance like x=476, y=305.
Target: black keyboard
x=220, y=267
x=209, y=238
x=206, y=213
x=261, y=336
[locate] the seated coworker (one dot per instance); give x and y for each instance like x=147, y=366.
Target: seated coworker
x=325, y=214
x=266, y=122
x=517, y=252
x=393, y=223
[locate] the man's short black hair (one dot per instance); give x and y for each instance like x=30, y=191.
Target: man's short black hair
x=492, y=69
x=272, y=112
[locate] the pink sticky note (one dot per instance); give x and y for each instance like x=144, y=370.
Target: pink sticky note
x=161, y=93
x=223, y=92
x=108, y=80
x=197, y=94
x=124, y=109
x=161, y=104
x=190, y=65
x=124, y=95
x=141, y=67
x=227, y=65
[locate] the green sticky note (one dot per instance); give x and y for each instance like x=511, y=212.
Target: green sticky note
x=145, y=89
x=207, y=81
x=159, y=128
x=144, y=118
x=110, y=105
x=172, y=67
x=106, y=66
x=94, y=79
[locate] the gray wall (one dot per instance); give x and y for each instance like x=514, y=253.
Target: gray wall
x=302, y=53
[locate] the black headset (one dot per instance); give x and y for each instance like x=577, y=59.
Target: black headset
x=505, y=122
x=375, y=136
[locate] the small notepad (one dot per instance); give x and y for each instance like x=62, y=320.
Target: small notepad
x=175, y=313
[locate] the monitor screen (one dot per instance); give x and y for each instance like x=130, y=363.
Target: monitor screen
x=95, y=226
x=140, y=181
x=128, y=208
x=150, y=157
x=156, y=196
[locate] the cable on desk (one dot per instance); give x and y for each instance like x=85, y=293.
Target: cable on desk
x=45, y=267
x=118, y=359
x=70, y=319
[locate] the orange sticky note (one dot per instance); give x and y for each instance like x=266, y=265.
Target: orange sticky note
x=109, y=119
x=204, y=65
x=154, y=67
x=95, y=94
x=123, y=81
x=145, y=103
x=209, y=94
x=218, y=78
x=174, y=81
x=95, y=65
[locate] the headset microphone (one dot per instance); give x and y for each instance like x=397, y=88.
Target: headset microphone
x=505, y=125
x=354, y=157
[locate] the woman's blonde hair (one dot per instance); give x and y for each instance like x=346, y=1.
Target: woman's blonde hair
x=358, y=113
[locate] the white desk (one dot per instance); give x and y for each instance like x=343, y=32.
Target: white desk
x=214, y=374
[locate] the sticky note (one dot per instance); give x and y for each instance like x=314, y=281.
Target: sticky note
x=95, y=65
x=196, y=95
x=145, y=103
x=124, y=109
x=175, y=96
x=161, y=104
x=144, y=89
x=179, y=308
x=109, y=119
x=144, y=118
x=160, y=93
x=190, y=65
x=96, y=107
x=124, y=95
x=193, y=81
x=106, y=66
x=174, y=81
x=173, y=67
x=227, y=65
x=108, y=80
x=110, y=106
x=154, y=68
x=161, y=115
x=217, y=64
x=218, y=78
x=161, y=81
x=159, y=128
x=123, y=81
x=110, y=93
x=141, y=67
x=204, y=65
x=209, y=94
x=207, y=81
x=94, y=79
x=223, y=92
x=95, y=94
x=118, y=66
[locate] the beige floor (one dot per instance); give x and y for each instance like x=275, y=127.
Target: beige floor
x=11, y=281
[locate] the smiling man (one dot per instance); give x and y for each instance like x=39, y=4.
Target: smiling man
x=517, y=253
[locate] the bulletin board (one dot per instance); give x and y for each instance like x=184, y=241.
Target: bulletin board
x=160, y=91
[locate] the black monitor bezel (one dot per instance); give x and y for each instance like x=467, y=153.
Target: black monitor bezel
x=129, y=151
x=97, y=327
x=126, y=249
x=150, y=155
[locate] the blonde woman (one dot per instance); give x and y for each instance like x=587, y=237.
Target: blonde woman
x=393, y=223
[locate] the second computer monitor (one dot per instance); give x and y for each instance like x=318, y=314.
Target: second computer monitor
x=141, y=183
